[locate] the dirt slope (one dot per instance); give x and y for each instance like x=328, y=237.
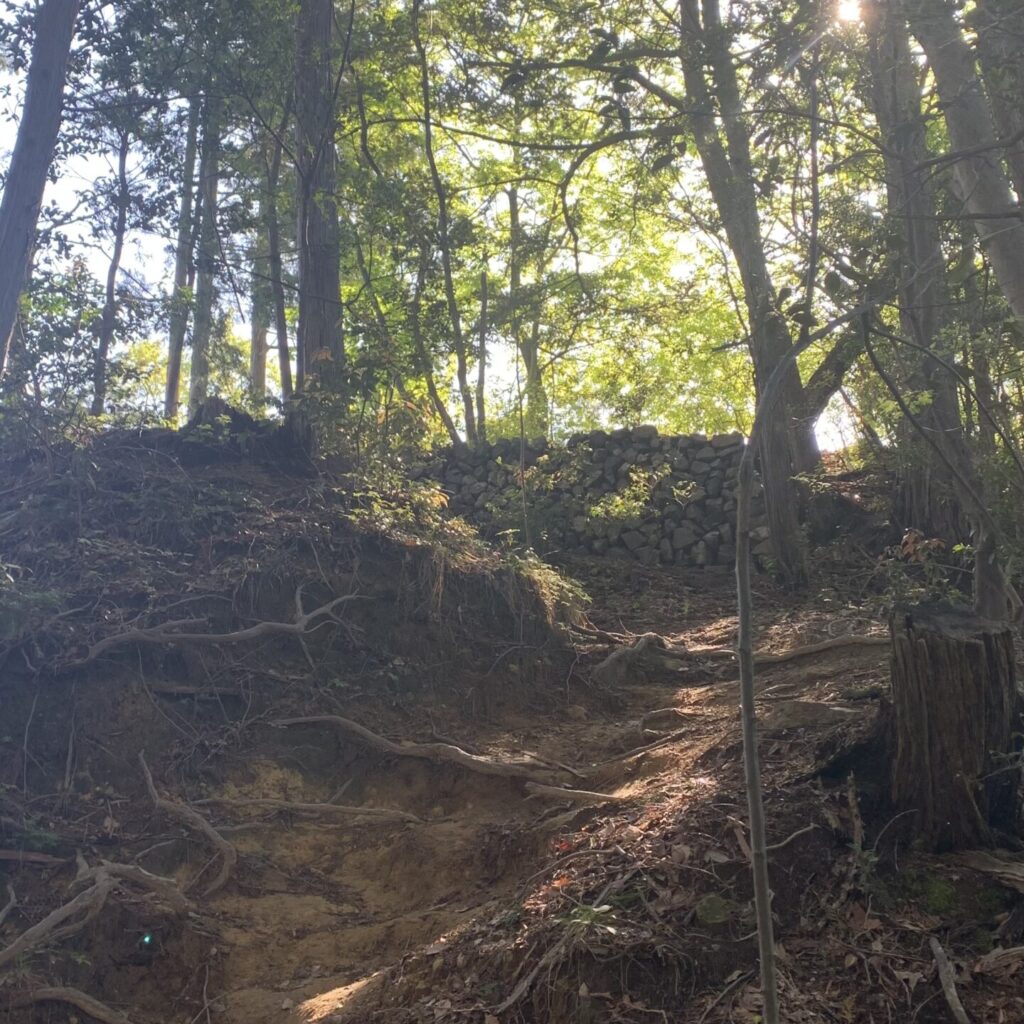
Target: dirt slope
x=359, y=881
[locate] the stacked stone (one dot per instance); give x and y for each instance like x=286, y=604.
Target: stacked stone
x=689, y=517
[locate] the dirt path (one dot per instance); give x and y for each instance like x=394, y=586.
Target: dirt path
x=319, y=909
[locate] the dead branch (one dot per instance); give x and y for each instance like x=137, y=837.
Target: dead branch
x=73, y=997
x=425, y=751
x=321, y=810
x=90, y=901
x=192, y=818
x=578, y=796
x=947, y=979
x=166, y=633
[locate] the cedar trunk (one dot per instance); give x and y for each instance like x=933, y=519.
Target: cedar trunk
x=956, y=708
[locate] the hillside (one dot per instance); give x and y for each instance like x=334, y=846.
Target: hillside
x=279, y=747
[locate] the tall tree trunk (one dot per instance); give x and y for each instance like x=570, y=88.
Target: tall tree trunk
x=206, y=262
x=528, y=344
x=1000, y=28
x=423, y=357
x=109, y=314
x=321, y=351
x=981, y=183
x=481, y=363
x=444, y=238
x=262, y=310
x=184, y=250
x=33, y=153
x=273, y=229
x=730, y=175
x=924, y=306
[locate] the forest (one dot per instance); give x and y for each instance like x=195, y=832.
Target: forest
x=509, y=511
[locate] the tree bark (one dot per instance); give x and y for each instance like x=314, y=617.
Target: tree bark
x=320, y=348
x=107, y=317
x=206, y=263
x=184, y=249
x=981, y=183
x=955, y=710
x=32, y=155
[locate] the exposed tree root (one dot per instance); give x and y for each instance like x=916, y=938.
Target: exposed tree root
x=73, y=997
x=89, y=903
x=617, y=667
x=318, y=810
x=425, y=751
x=947, y=979
x=578, y=796
x=165, y=888
x=192, y=818
x=175, y=632
x=770, y=658
x=31, y=857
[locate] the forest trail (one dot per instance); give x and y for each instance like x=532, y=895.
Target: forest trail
x=320, y=909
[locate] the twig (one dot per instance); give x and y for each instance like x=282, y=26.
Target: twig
x=228, y=854
x=425, y=751
x=725, y=993
x=324, y=810
x=73, y=997
x=796, y=835
x=947, y=980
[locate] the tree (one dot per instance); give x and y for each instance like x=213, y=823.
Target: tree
x=33, y=152
x=321, y=349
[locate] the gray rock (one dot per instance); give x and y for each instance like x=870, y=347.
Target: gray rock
x=646, y=432
x=683, y=537
x=633, y=539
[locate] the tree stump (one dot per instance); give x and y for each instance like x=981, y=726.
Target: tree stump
x=955, y=732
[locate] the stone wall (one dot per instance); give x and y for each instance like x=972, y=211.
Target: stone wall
x=630, y=493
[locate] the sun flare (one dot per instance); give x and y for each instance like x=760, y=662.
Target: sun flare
x=848, y=11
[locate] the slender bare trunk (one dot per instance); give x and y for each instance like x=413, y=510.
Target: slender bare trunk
x=262, y=309
x=444, y=238
x=423, y=357
x=206, y=263
x=184, y=249
x=273, y=229
x=33, y=153
x=109, y=314
x=481, y=363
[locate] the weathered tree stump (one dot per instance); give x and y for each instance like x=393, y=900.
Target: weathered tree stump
x=956, y=725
